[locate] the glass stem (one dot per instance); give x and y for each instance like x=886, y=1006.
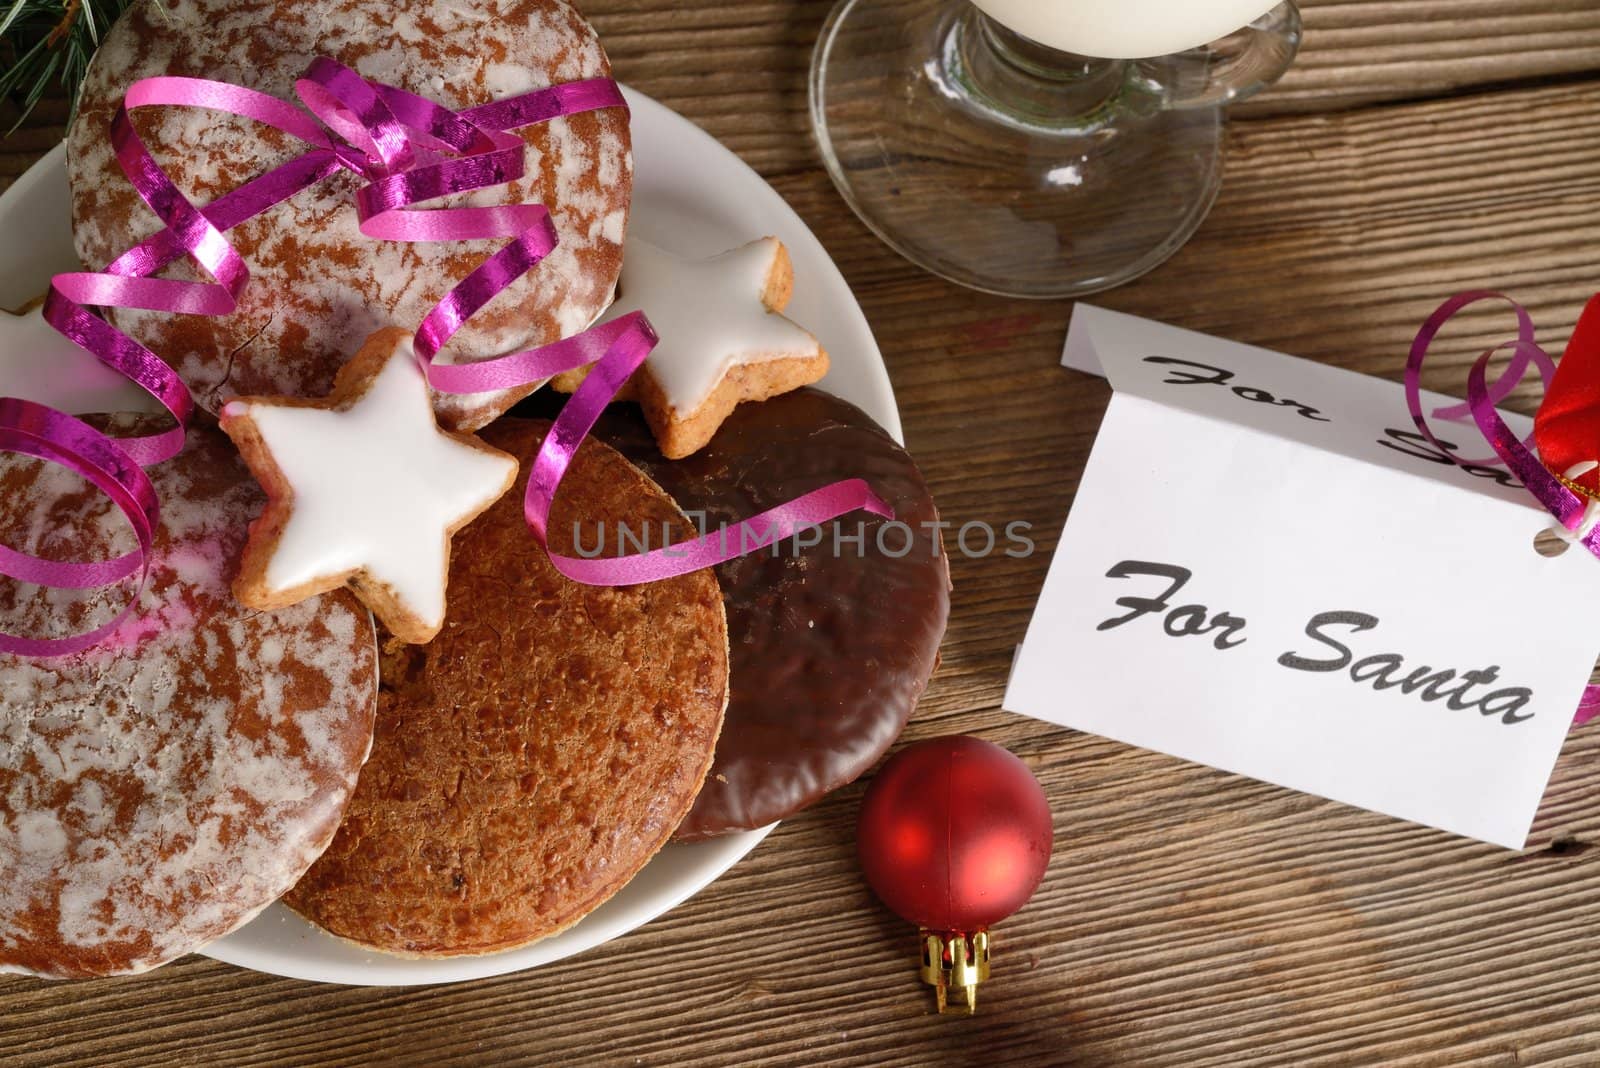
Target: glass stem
x=1025, y=82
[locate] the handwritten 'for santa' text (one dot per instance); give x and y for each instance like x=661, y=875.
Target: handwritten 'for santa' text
x=1327, y=646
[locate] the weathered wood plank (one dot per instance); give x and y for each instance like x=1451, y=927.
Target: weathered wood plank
x=740, y=69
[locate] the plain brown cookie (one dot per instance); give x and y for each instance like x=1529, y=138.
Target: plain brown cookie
x=542, y=748
x=161, y=788
x=318, y=287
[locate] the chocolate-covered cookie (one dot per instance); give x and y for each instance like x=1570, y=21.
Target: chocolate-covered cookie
x=831, y=644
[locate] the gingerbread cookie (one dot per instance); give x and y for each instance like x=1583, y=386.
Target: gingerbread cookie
x=723, y=339
x=161, y=788
x=39, y=364
x=538, y=752
x=318, y=287
x=833, y=643
x=362, y=488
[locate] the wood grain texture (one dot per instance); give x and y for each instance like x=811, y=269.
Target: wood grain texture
x=1189, y=917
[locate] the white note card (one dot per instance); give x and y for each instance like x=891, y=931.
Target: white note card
x=1266, y=570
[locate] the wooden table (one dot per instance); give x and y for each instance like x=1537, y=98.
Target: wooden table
x=1189, y=917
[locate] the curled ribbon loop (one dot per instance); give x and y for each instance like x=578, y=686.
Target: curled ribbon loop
x=408, y=150
x=42, y=432
x=560, y=446
x=1566, y=506
x=1515, y=453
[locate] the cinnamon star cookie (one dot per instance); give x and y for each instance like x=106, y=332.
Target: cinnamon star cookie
x=363, y=488
x=724, y=339
x=39, y=363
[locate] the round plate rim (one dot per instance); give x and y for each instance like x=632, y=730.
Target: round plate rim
x=817, y=275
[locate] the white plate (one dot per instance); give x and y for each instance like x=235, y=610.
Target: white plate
x=691, y=195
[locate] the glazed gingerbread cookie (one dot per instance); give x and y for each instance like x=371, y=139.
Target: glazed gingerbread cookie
x=363, y=489
x=318, y=286
x=161, y=788
x=532, y=758
x=724, y=338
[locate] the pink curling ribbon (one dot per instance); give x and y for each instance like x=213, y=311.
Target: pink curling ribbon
x=1547, y=489
x=409, y=150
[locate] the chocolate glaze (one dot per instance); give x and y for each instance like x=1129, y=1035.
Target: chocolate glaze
x=829, y=650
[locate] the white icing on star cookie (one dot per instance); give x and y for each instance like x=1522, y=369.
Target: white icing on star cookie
x=723, y=340
x=363, y=488
x=37, y=363
x=710, y=314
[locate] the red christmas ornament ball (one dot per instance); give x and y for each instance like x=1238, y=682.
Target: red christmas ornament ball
x=954, y=834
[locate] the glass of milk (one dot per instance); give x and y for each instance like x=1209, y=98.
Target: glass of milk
x=1038, y=148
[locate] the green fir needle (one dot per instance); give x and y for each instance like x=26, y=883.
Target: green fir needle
x=49, y=42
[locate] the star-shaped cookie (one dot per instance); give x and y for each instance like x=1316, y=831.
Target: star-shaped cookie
x=723, y=337
x=39, y=364
x=362, y=488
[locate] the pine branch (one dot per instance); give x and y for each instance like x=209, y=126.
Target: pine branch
x=49, y=42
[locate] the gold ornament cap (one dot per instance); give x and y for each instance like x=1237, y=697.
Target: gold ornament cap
x=954, y=964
